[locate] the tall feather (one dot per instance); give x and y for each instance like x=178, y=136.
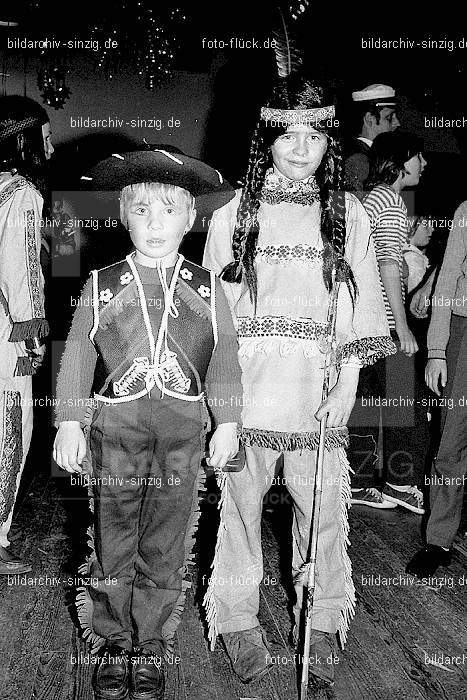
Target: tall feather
x=288, y=55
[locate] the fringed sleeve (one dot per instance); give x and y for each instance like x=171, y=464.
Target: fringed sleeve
x=21, y=280
x=362, y=330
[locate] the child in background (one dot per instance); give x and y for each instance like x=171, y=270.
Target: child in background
x=420, y=233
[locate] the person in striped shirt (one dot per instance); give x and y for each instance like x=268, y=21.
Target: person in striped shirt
x=396, y=163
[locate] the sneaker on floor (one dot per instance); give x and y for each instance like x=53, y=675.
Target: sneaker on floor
x=427, y=560
x=248, y=653
x=409, y=497
x=370, y=497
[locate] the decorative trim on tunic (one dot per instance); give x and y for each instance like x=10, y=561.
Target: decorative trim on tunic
x=282, y=254
x=37, y=302
x=368, y=350
x=268, y=334
x=289, y=442
x=11, y=450
x=26, y=330
x=305, y=329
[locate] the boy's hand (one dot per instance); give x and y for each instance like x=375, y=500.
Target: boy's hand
x=69, y=446
x=223, y=445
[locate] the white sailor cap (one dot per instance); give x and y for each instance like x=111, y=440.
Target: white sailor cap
x=377, y=93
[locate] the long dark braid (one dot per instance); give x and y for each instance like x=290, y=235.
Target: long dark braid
x=246, y=229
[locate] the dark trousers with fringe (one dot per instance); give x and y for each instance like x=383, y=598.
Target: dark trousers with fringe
x=146, y=458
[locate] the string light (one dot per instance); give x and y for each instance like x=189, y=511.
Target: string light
x=147, y=36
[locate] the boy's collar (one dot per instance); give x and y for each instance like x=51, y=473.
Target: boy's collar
x=165, y=262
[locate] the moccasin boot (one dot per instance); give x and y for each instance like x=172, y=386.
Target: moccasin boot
x=248, y=653
x=323, y=655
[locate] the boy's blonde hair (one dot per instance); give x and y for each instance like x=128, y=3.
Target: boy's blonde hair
x=146, y=191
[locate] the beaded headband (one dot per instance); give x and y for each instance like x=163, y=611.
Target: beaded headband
x=297, y=116
x=12, y=126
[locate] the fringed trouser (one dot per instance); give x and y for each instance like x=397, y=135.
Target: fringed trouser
x=15, y=439
x=232, y=599
x=146, y=455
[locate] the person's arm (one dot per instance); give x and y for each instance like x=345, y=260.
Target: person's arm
x=389, y=236
x=74, y=385
x=391, y=279
x=421, y=298
x=445, y=290
x=223, y=386
x=362, y=331
x=21, y=280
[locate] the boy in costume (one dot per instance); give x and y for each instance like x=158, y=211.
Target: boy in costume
x=149, y=333
x=282, y=244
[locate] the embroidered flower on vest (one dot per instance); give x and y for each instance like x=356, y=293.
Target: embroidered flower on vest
x=204, y=291
x=126, y=278
x=186, y=274
x=105, y=295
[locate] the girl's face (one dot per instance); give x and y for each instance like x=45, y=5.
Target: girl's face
x=298, y=153
x=414, y=168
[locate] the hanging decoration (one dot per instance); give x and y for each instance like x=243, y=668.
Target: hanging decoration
x=297, y=8
x=52, y=86
x=142, y=35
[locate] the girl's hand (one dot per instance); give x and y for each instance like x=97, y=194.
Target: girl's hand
x=338, y=405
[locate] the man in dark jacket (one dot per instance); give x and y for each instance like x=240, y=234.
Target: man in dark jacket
x=375, y=112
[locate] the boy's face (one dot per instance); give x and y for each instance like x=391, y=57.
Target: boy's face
x=156, y=228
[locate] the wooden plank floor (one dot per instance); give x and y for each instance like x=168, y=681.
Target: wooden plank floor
x=397, y=626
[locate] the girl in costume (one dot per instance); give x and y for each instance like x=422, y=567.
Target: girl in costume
x=25, y=146
x=282, y=245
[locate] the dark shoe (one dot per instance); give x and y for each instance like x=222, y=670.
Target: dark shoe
x=248, y=653
x=110, y=680
x=323, y=656
x=147, y=676
x=427, y=560
x=370, y=497
x=11, y=565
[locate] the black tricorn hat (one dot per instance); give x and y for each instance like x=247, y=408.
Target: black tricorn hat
x=170, y=167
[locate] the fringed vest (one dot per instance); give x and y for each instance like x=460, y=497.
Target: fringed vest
x=132, y=359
